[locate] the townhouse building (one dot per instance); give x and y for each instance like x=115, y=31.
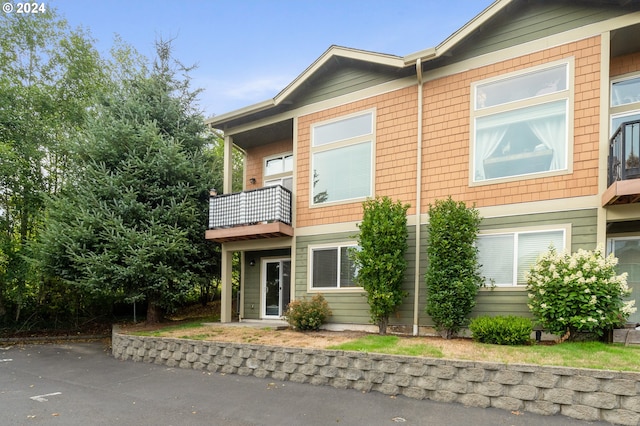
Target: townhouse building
x=530, y=112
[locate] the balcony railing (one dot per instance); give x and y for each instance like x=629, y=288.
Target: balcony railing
x=623, y=175
x=264, y=205
x=624, y=153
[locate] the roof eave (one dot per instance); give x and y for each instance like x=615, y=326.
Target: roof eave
x=218, y=120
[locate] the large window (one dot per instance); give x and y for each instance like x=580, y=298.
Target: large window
x=505, y=257
x=342, y=159
x=331, y=267
x=520, y=124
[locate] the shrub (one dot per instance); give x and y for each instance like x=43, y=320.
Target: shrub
x=303, y=314
x=453, y=277
x=501, y=330
x=380, y=258
x=578, y=293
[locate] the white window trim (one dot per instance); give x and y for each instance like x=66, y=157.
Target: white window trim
x=567, y=94
x=627, y=113
x=275, y=175
x=618, y=79
x=565, y=228
x=619, y=111
x=338, y=246
x=371, y=138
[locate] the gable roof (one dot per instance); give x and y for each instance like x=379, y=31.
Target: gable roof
x=338, y=57
x=372, y=58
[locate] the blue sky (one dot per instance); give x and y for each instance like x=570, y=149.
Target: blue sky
x=249, y=50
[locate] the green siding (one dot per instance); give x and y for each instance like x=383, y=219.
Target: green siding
x=352, y=308
x=344, y=76
x=527, y=21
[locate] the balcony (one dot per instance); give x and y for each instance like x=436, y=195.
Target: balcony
x=260, y=213
x=623, y=178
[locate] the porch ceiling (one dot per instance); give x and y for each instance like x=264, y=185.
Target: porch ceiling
x=263, y=135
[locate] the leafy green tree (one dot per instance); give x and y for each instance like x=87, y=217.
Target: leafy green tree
x=380, y=257
x=453, y=276
x=132, y=224
x=49, y=75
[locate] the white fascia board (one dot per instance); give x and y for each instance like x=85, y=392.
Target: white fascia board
x=217, y=119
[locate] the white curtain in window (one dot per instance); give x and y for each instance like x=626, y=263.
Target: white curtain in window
x=552, y=132
x=487, y=141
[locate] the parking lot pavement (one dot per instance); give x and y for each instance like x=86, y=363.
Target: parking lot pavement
x=81, y=384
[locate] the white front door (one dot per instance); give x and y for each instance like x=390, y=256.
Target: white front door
x=276, y=287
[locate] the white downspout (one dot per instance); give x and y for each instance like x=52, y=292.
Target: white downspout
x=416, y=296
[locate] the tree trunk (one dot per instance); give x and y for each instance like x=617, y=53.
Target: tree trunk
x=446, y=333
x=382, y=326
x=154, y=313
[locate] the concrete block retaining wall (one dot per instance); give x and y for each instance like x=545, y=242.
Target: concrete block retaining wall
x=579, y=393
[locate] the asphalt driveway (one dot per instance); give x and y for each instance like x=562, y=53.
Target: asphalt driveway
x=81, y=384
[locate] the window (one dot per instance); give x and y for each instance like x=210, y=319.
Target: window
x=278, y=165
x=287, y=182
x=625, y=101
x=627, y=250
x=520, y=124
x=278, y=170
x=625, y=91
x=342, y=159
x=505, y=257
x=331, y=267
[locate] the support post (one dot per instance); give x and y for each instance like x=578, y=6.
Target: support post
x=227, y=286
x=228, y=165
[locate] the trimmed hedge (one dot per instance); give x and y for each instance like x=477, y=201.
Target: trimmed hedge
x=502, y=330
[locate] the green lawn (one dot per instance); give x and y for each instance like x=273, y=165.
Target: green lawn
x=595, y=355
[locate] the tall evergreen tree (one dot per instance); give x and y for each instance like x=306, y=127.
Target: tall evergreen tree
x=133, y=222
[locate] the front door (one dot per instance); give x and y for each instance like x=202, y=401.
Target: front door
x=627, y=250
x=276, y=287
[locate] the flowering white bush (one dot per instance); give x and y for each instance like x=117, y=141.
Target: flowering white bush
x=578, y=292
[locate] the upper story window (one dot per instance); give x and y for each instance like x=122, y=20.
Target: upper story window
x=625, y=91
x=520, y=124
x=625, y=101
x=278, y=164
x=506, y=256
x=278, y=170
x=342, y=159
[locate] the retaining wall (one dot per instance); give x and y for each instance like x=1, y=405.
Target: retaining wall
x=578, y=393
